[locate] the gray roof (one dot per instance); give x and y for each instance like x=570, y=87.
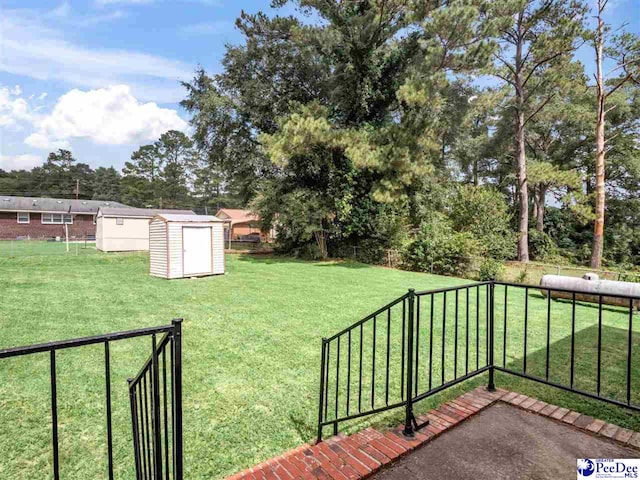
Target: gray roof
x=172, y=217
x=64, y=205
x=139, y=212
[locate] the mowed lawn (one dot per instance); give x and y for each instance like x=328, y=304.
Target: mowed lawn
x=251, y=354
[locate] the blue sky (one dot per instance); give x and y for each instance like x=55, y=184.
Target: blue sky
x=101, y=77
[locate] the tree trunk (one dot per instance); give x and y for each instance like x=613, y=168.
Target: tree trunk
x=542, y=194
x=521, y=159
x=475, y=172
x=523, y=190
x=321, y=240
x=598, y=231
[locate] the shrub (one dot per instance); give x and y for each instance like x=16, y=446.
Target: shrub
x=484, y=213
x=541, y=245
x=522, y=276
x=437, y=248
x=490, y=270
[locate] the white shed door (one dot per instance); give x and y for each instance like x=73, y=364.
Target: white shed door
x=196, y=242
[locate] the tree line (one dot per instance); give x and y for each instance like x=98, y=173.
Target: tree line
x=374, y=124
x=168, y=173
x=446, y=130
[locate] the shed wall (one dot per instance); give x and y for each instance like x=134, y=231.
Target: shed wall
x=158, y=249
x=99, y=245
x=132, y=235
x=217, y=244
x=175, y=249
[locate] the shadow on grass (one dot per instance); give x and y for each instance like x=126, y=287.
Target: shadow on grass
x=271, y=259
x=613, y=374
x=566, y=301
x=613, y=380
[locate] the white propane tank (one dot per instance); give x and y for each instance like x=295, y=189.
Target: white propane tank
x=592, y=287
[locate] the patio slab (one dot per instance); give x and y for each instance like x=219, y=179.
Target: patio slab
x=505, y=442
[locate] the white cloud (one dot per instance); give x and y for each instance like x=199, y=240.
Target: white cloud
x=106, y=116
x=19, y=162
x=42, y=96
x=13, y=110
x=34, y=50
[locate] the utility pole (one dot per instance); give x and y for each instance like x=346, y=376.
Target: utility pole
x=77, y=188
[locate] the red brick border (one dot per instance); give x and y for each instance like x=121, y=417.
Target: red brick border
x=359, y=455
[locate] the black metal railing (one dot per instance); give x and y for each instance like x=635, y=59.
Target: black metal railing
x=156, y=411
x=172, y=337
x=425, y=342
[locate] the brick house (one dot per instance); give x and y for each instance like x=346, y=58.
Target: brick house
x=45, y=218
x=242, y=224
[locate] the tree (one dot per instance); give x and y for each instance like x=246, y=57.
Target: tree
x=625, y=52
x=338, y=113
x=142, y=178
x=106, y=184
x=539, y=36
x=174, y=151
x=545, y=177
x=160, y=174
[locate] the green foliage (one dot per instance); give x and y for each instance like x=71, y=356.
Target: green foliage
x=158, y=174
x=523, y=276
x=490, y=270
x=437, y=248
x=542, y=245
x=484, y=214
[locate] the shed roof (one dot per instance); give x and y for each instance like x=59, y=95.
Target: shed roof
x=63, y=205
x=140, y=212
x=173, y=217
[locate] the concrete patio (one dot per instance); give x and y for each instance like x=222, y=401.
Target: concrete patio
x=505, y=442
x=481, y=434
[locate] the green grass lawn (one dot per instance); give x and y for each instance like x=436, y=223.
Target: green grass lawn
x=29, y=248
x=251, y=354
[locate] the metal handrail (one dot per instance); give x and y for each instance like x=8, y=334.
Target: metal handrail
x=411, y=346
x=172, y=337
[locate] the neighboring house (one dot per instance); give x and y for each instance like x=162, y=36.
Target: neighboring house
x=242, y=223
x=45, y=218
x=127, y=229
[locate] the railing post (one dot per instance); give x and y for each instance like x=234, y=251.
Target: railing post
x=134, y=428
x=322, y=380
x=177, y=397
x=491, y=386
x=408, y=422
x=155, y=392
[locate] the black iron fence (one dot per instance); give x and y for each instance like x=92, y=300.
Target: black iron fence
x=156, y=411
x=425, y=342
x=137, y=387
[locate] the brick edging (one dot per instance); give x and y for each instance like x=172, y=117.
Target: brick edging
x=582, y=422
x=360, y=455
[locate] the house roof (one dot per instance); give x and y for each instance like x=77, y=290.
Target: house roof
x=176, y=217
x=237, y=215
x=139, y=212
x=62, y=205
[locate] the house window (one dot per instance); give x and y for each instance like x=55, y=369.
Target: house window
x=119, y=221
x=23, y=217
x=57, y=218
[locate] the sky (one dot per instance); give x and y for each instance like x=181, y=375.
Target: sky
x=102, y=77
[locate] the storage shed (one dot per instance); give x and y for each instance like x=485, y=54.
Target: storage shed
x=126, y=229
x=186, y=246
